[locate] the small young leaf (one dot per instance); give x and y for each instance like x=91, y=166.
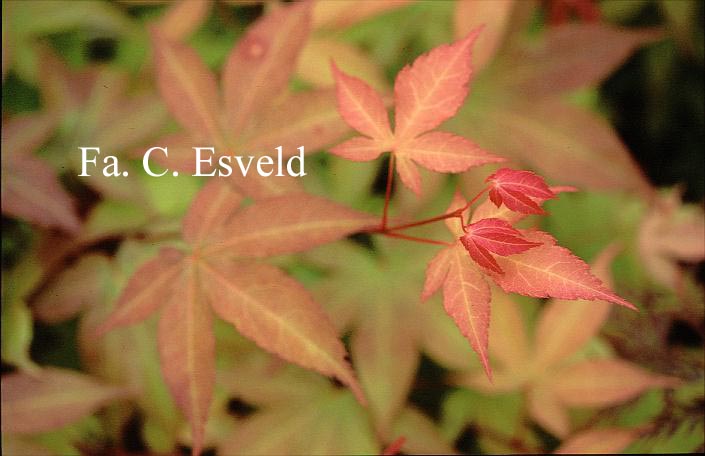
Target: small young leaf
x=495, y=236
x=517, y=188
x=426, y=93
x=487, y=208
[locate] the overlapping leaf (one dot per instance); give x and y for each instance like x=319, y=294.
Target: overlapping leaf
x=518, y=190
x=50, y=399
x=669, y=233
x=552, y=380
x=255, y=113
x=520, y=92
x=426, y=93
x=30, y=187
x=520, y=261
x=98, y=109
x=188, y=286
x=496, y=236
x=389, y=327
x=288, y=404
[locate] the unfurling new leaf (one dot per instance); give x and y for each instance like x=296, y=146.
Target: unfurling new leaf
x=526, y=262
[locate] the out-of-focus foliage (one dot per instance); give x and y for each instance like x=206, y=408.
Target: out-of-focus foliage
x=605, y=96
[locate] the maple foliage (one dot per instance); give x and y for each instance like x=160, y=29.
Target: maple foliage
x=518, y=190
x=390, y=327
x=45, y=202
x=424, y=98
x=496, y=236
x=187, y=285
x=252, y=116
x=552, y=380
x=671, y=233
x=527, y=262
x=207, y=313
x=524, y=86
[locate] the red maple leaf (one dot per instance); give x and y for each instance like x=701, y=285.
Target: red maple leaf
x=496, y=236
x=518, y=190
x=426, y=93
x=526, y=262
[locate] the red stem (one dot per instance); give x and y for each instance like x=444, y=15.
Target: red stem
x=388, y=193
x=422, y=222
x=390, y=231
x=456, y=213
x=415, y=239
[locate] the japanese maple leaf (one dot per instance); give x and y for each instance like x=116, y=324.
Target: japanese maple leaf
x=426, y=93
x=669, y=234
x=544, y=367
x=519, y=190
x=256, y=113
x=527, y=262
x=520, y=109
x=390, y=328
x=189, y=285
x=30, y=187
x=493, y=236
x=328, y=18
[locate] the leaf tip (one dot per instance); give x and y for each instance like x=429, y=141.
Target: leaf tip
x=357, y=391
x=486, y=366
x=474, y=34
